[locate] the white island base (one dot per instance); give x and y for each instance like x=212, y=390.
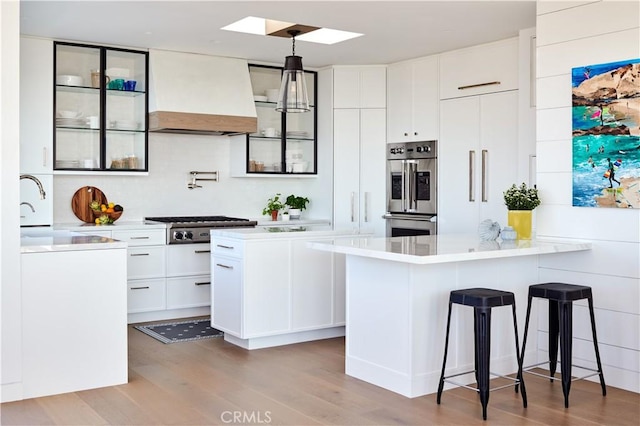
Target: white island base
x=397, y=300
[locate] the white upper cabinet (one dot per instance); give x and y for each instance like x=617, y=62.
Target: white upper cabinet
x=480, y=69
x=360, y=87
x=412, y=101
x=36, y=106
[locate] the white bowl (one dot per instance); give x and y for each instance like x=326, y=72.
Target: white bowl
x=68, y=114
x=69, y=80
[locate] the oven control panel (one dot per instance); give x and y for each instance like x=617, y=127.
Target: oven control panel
x=188, y=235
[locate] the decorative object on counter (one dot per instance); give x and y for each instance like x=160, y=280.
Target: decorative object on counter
x=95, y=79
x=285, y=216
x=274, y=205
x=293, y=90
x=521, y=201
x=195, y=179
x=81, y=200
x=508, y=234
x=296, y=205
x=182, y=331
x=488, y=230
x=105, y=214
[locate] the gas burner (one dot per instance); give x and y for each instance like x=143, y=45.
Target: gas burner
x=195, y=229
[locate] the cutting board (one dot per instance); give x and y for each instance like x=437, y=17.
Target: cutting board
x=81, y=200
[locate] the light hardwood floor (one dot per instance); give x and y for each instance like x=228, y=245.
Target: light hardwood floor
x=209, y=382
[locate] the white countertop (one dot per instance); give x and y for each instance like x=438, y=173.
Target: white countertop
x=300, y=231
x=42, y=240
x=430, y=249
x=84, y=227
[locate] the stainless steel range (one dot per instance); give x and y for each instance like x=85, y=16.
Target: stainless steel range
x=195, y=229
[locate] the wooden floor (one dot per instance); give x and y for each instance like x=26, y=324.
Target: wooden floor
x=212, y=382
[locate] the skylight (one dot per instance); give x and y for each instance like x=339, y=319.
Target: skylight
x=263, y=26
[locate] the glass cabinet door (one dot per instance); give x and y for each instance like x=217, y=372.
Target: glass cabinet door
x=100, y=108
x=284, y=143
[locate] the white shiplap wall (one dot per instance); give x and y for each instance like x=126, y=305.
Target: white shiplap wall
x=571, y=34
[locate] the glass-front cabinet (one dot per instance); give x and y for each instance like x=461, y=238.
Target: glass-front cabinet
x=100, y=107
x=285, y=142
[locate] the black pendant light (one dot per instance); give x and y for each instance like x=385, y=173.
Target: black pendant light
x=293, y=90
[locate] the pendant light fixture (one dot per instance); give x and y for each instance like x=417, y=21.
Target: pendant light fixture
x=293, y=90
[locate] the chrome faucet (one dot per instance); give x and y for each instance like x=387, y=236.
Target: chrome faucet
x=37, y=181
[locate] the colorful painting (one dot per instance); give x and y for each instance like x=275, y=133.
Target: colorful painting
x=606, y=135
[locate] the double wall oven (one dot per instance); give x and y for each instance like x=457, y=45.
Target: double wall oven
x=412, y=182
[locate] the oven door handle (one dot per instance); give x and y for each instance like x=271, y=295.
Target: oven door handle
x=423, y=218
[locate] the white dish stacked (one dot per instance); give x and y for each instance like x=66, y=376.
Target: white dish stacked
x=69, y=80
x=70, y=119
x=297, y=133
x=125, y=125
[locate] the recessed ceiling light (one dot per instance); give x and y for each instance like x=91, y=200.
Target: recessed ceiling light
x=263, y=26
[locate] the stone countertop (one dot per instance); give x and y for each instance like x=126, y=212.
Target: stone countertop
x=119, y=225
x=273, y=232
x=44, y=240
x=431, y=249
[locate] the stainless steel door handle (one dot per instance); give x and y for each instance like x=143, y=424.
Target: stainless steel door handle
x=353, y=214
x=484, y=175
x=139, y=254
x=472, y=160
x=366, y=207
x=224, y=266
x=203, y=283
x=202, y=251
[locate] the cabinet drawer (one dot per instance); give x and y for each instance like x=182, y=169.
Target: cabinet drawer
x=188, y=292
x=146, y=295
x=477, y=70
x=142, y=237
x=145, y=262
x=188, y=259
x=227, y=247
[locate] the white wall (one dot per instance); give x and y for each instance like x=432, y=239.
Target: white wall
x=572, y=34
x=11, y=372
x=164, y=191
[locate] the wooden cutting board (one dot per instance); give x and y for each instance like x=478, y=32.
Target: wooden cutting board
x=81, y=200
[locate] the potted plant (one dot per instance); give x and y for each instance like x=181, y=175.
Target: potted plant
x=273, y=206
x=296, y=205
x=521, y=200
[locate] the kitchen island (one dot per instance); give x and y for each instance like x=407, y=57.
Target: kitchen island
x=397, y=295
x=74, y=313
x=270, y=289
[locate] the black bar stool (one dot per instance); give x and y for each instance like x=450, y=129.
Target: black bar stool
x=561, y=297
x=482, y=300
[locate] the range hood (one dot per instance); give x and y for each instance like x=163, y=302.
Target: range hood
x=201, y=94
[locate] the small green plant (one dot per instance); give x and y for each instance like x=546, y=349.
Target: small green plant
x=273, y=204
x=521, y=198
x=295, y=202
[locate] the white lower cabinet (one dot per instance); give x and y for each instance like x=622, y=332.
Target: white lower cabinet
x=188, y=292
x=188, y=276
x=146, y=295
x=74, y=322
x=276, y=291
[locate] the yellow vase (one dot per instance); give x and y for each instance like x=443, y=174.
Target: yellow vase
x=520, y=221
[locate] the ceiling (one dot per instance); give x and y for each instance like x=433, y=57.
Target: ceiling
x=393, y=30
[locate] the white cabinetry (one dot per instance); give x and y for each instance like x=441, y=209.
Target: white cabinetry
x=36, y=106
x=412, y=103
x=188, y=276
x=64, y=289
x=275, y=291
x=359, y=142
x=486, y=68
x=478, y=150
x=359, y=169
x=359, y=87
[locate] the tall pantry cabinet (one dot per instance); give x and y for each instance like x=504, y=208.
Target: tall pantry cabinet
x=478, y=147
x=359, y=142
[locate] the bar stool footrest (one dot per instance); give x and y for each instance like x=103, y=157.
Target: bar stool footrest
x=515, y=381
x=527, y=369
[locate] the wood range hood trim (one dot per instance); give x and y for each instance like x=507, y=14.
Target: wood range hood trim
x=206, y=124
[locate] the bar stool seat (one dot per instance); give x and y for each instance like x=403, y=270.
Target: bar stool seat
x=482, y=300
x=561, y=297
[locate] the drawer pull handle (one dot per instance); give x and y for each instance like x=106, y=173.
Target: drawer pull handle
x=203, y=251
x=203, y=283
x=139, y=254
x=139, y=238
x=471, y=86
x=140, y=288
x=224, y=247
x=224, y=266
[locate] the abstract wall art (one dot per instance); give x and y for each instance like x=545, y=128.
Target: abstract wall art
x=606, y=135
